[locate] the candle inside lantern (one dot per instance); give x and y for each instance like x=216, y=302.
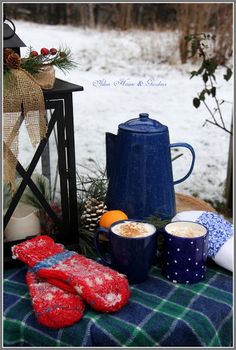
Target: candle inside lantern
x=23, y=223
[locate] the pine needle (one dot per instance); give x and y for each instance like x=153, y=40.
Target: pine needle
x=159, y=224
x=7, y=196
x=157, y=221
x=29, y=197
x=7, y=80
x=86, y=243
x=63, y=60
x=92, y=186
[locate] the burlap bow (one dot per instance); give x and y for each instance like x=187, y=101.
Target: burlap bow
x=23, y=101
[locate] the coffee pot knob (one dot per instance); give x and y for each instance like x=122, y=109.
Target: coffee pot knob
x=143, y=116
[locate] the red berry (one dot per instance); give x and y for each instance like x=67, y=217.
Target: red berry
x=44, y=51
x=34, y=53
x=53, y=51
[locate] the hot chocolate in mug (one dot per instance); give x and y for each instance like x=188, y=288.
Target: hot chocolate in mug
x=185, y=252
x=133, y=247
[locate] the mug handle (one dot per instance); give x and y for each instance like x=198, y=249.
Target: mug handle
x=97, y=244
x=186, y=145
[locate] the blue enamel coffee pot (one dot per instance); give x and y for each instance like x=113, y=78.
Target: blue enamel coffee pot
x=139, y=169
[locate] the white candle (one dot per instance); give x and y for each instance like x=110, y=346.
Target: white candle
x=23, y=223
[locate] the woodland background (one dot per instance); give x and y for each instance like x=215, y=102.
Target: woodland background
x=216, y=18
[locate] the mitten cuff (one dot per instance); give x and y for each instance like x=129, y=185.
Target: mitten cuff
x=53, y=260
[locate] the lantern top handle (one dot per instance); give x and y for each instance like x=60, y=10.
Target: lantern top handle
x=12, y=33
x=11, y=39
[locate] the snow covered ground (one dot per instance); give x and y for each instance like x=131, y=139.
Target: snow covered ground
x=125, y=73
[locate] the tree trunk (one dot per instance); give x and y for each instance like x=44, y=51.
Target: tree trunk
x=91, y=15
x=229, y=177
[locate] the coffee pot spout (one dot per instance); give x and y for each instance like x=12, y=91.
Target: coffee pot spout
x=110, y=153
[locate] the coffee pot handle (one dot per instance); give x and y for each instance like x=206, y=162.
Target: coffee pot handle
x=102, y=256
x=186, y=145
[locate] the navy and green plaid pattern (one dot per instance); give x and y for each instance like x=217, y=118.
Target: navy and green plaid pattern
x=159, y=313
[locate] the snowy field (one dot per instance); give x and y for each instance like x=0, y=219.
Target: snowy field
x=125, y=73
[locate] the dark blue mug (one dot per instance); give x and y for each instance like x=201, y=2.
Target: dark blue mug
x=185, y=256
x=131, y=256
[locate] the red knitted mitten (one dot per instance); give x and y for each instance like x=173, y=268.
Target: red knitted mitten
x=53, y=307
x=103, y=288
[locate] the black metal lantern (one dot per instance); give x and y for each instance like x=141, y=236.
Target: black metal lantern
x=59, y=108
x=10, y=37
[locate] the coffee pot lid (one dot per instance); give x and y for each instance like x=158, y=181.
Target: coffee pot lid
x=143, y=124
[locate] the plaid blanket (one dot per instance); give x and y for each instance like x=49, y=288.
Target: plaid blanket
x=159, y=313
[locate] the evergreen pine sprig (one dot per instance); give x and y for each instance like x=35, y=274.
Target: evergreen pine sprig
x=86, y=243
x=7, y=79
x=63, y=60
x=29, y=198
x=7, y=196
x=31, y=66
x=35, y=63
x=60, y=58
x=93, y=185
x=159, y=223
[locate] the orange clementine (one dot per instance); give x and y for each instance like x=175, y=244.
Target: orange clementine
x=112, y=216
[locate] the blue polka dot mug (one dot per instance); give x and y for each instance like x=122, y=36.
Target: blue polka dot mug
x=185, y=252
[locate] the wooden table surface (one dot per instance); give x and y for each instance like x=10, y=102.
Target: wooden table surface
x=185, y=202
